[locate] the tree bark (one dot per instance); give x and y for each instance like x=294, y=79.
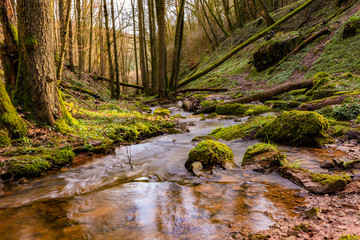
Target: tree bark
x=111, y=67
x=91, y=33
x=79, y=38
x=36, y=85
x=243, y=45
x=160, y=13
x=71, y=47
x=315, y=105
x=135, y=43
x=174, y=79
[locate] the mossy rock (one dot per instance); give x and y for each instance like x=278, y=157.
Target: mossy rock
x=4, y=139
x=263, y=157
x=298, y=128
x=211, y=154
x=275, y=49
x=257, y=110
x=352, y=27
x=162, y=112
x=27, y=166
x=352, y=164
x=315, y=182
x=282, y=105
x=247, y=130
x=232, y=109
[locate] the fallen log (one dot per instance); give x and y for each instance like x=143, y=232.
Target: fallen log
x=243, y=45
x=202, y=90
x=121, y=83
x=318, y=104
x=287, y=87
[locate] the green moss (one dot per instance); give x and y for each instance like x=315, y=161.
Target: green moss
x=300, y=128
x=4, y=139
x=333, y=181
x=14, y=32
x=210, y=153
x=162, y=112
x=9, y=118
x=352, y=164
x=27, y=166
x=283, y=105
x=232, y=109
x=204, y=137
x=302, y=227
x=31, y=42
x=257, y=110
x=349, y=237
x=264, y=155
x=63, y=156
x=245, y=130
x=313, y=211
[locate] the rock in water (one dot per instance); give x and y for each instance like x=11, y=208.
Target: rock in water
x=191, y=104
x=210, y=154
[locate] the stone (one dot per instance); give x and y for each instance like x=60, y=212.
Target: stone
x=327, y=164
x=191, y=104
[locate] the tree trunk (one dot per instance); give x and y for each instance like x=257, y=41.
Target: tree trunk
x=79, y=39
x=91, y=33
x=243, y=45
x=37, y=87
x=111, y=67
x=101, y=42
x=144, y=78
x=318, y=104
x=174, y=79
x=63, y=36
x=135, y=43
x=153, y=46
x=9, y=48
x=116, y=58
x=71, y=47
x=216, y=19
x=160, y=14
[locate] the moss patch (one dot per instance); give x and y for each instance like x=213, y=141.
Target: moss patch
x=299, y=128
x=232, y=109
x=245, y=130
x=333, y=181
x=27, y=166
x=210, y=154
x=4, y=139
x=349, y=237
x=162, y=112
x=257, y=110
x=63, y=156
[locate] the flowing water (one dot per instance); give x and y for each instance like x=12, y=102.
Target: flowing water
x=103, y=198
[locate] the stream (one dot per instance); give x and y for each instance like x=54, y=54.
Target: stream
x=103, y=198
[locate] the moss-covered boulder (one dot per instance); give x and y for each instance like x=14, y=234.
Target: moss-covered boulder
x=257, y=110
x=62, y=157
x=210, y=154
x=204, y=137
x=263, y=157
x=355, y=164
x=162, y=112
x=275, y=49
x=298, y=128
x=247, y=130
x=352, y=27
x=315, y=182
x=27, y=166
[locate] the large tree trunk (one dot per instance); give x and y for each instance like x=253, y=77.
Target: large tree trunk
x=117, y=71
x=9, y=48
x=174, y=79
x=91, y=33
x=101, y=42
x=71, y=47
x=79, y=39
x=36, y=85
x=144, y=75
x=160, y=13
